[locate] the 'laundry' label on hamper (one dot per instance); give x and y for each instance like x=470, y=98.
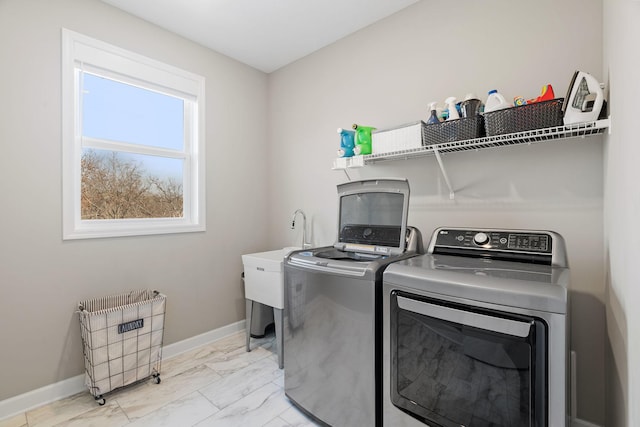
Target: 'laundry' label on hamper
x=130, y=326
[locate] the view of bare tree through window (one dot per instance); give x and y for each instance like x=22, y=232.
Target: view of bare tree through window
x=114, y=187
x=133, y=143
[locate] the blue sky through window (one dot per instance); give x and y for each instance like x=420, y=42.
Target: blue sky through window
x=121, y=112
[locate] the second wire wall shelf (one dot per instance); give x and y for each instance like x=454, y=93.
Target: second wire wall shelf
x=527, y=137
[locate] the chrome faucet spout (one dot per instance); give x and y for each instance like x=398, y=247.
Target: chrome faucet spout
x=305, y=245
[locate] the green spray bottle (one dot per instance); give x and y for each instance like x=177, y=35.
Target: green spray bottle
x=363, y=139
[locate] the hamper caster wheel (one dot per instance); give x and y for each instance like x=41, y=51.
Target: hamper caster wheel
x=101, y=401
x=156, y=379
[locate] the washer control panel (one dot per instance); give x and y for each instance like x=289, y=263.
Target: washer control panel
x=495, y=240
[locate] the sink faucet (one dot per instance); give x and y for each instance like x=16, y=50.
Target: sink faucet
x=305, y=245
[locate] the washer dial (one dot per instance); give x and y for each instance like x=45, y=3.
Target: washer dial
x=481, y=239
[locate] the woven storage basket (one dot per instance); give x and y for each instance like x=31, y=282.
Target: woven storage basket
x=453, y=130
x=122, y=339
x=538, y=115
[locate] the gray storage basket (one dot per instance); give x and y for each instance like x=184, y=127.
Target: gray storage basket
x=537, y=115
x=122, y=339
x=453, y=130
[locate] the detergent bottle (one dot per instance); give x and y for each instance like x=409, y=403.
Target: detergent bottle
x=346, y=142
x=362, y=139
x=453, y=110
x=433, y=118
x=495, y=101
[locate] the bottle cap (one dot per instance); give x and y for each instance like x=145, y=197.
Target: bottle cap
x=493, y=91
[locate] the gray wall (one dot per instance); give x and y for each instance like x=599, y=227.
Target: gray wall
x=42, y=277
x=622, y=210
x=386, y=75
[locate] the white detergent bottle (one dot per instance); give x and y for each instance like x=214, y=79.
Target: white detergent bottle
x=453, y=111
x=495, y=101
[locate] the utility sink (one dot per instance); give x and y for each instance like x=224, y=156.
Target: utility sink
x=264, y=276
x=264, y=283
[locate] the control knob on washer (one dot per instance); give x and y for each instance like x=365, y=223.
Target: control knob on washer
x=481, y=239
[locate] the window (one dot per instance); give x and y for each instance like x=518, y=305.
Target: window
x=133, y=143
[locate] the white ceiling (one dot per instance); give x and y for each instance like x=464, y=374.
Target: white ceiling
x=265, y=34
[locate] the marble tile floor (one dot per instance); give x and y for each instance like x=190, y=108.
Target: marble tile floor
x=215, y=385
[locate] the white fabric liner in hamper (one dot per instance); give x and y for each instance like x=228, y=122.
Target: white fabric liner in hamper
x=114, y=359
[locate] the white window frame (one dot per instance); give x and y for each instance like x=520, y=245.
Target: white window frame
x=81, y=53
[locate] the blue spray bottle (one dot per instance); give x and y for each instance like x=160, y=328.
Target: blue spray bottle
x=433, y=118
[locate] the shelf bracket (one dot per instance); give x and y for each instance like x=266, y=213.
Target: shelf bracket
x=444, y=172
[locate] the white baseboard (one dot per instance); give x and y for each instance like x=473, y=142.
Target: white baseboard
x=70, y=386
x=41, y=396
x=177, y=348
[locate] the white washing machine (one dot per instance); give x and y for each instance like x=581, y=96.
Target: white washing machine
x=475, y=332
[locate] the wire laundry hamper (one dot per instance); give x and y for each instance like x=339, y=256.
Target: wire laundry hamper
x=121, y=339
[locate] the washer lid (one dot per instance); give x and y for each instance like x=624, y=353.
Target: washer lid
x=512, y=284
x=372, y=216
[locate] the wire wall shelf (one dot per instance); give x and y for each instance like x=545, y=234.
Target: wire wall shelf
x=527, y=137
x=577, y=130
